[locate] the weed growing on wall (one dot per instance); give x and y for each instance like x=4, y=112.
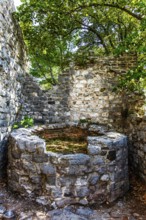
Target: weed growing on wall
x=25, y=123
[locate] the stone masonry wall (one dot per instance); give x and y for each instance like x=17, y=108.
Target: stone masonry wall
x=12, y=67
x=15, y=101
x=35, y=102
x=58, y=179
x=136, y=131
x=83, y=94
x=87, y=94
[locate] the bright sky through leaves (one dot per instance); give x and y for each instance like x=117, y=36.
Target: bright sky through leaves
x=17, y=2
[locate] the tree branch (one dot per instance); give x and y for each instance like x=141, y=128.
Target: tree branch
x=80, y=7
x=89, y=28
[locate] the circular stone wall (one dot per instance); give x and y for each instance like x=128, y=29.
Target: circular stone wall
x=58, y=180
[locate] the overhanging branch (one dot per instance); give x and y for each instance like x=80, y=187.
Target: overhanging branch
x=80, y=7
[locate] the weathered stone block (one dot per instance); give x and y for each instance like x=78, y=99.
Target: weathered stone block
x=75, y=159
x=92, y=149
x=28, y=166
x=97, y=160
x=82, y=191
x=93, y=179
x=35, y=179
x=48, y=169
x=81, y=181
x=66, y=181
x=102, y=141
x=64, y=202
x=51, y=180
x=26, y=156
x=74, y=170
x=39, y=158
x=43, y=200
x=16, y=153
x=55, y=192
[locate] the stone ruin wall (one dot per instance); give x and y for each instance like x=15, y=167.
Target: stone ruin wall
x=14, y=100
x=88, y=93
x=82, y=94
x=85, y=95
x=12, y=68
x=100, y=175
x=136, y=131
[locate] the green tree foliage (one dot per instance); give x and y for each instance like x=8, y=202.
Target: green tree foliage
x=58, y=31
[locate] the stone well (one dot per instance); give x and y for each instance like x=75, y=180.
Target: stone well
x=58, y=180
